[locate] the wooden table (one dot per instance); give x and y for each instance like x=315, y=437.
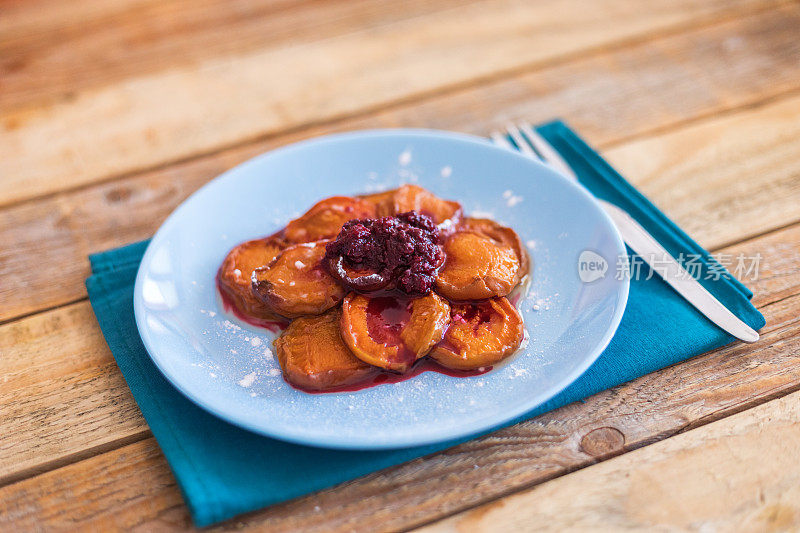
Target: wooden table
x=112, y=112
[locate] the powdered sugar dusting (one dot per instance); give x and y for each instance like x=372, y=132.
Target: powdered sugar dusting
x=510, y=198
x=247, y=380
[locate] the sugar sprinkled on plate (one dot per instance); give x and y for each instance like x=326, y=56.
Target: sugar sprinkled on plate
x=247, y=380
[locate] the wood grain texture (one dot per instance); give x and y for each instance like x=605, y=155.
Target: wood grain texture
x=52, y=367
x=139, y=491
x=100, y=139
x=750, y=168
x=715, y=478
x=608, y=97
x=52, y=57
x=153, y=118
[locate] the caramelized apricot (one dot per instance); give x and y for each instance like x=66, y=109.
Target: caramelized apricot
x=325, y=218
x=295, y=283
x=444, y=213
x=237, y=268
x=476, y=267
x=391, y=333
x=480, y=335
x=501, y=234
x=312, y=355
x=382, y=201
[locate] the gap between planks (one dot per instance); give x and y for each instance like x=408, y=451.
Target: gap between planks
x=766, y=42
x=721, y=16
x=692, y=482
x=136, y=436
x=627, y=156
x=164, y=508
x=769, y=232
x=713, y=248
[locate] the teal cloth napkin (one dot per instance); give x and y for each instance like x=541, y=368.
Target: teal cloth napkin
x=224, y=471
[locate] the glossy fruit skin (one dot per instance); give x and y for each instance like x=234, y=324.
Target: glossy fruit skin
x=234, y=276
x=381, y=201
x=480, y=335
x=477, y=267
x=445, y=213
x=295, y=284
x=312, y=355
x=395, y=343
x=501, y=234
x=392, y=248
x=326, y=217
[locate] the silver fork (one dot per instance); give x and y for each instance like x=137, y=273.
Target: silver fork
x=530, y=143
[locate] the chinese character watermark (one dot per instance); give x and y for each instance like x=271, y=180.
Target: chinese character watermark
x=592, y=266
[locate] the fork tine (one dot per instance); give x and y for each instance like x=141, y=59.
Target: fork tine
x=522, y=144
x=548, y=154
x=500, y=140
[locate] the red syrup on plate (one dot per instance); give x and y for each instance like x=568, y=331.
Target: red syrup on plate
x=385, y=377
x=270, y=324
x=389, y=309
x=387, y=305
x=386, y=317
x=381, y=377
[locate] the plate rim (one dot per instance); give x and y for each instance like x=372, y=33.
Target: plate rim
x=475, y=427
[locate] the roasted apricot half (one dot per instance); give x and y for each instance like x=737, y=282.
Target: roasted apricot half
x=237, y=268
x=501, y=234
x=444, y=213
x=325, y=218
x=382, y=201
x=312, y=355
x=295, y=283
x=480, y=335
x=476, y=267
x=392, y=333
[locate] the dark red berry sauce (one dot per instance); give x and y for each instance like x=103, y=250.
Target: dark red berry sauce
x=400, y=252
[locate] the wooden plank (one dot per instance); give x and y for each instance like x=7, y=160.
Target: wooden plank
x=648, y=409
x=153, y=118
x=20, y=18
x=746, y=182
x=52, y=367
x=52, y=53
x=608, y=97
x=132, y=487
x=738, y=474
